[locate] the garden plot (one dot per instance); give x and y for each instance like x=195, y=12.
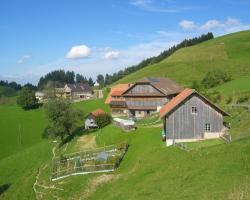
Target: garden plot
x=104, y=159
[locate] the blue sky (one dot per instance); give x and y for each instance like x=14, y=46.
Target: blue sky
x=93, y=36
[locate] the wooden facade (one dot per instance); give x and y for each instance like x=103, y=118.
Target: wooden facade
x=142, y=98
x=192, y=118
x=183, y=124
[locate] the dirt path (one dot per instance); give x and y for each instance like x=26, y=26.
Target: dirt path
x=86, y=142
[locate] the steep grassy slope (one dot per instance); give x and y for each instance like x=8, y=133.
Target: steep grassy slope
x=235, y=86
x=230, y=53
x=19, y=129
x=22, y=149
x=214, y=170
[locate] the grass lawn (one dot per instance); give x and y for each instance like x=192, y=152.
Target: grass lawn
x=229, y=53
x=235, y=86
x=20, y=129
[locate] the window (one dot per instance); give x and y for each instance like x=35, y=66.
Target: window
x=208, y=127
x=194, y=110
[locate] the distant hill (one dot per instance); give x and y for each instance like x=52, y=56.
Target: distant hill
x=230, y=53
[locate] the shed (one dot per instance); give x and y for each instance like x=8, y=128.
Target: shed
x=190, y=116
x=90, y=120
x=126, y=125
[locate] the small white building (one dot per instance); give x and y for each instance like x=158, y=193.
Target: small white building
x=96, y=84
x=90, y=120
x=39, y=96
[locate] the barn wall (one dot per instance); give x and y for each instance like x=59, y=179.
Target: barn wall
x=143, y=89
x=181, y=124
x=146, y=101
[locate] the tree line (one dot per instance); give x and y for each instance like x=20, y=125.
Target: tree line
x=61, y=77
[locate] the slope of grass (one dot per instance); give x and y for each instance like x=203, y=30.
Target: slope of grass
x=235, y=86
x=19, y=170
x=149, y=170
x=19, y=129
x=229, y=53
x=152, y=171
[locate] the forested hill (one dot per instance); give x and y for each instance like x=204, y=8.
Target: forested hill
x=109, y=79
x=230, y=53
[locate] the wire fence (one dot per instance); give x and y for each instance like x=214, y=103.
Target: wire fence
x=103, y=159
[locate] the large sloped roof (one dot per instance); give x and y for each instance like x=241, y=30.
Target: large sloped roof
x=164, y=85
x=180, y=98
x=79, y=87
x=116, y=90
x=97, y=112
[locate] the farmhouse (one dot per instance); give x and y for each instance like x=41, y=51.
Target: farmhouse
x=116, y=100
x=75, y=91
x=190, y=116
x=90, y=120
x=142, y=98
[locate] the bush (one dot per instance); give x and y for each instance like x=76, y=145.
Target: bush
x=103, y=120
x=26, y=98
x=229, y=100
x=214, y=78
x=242, y=99
x=213, y=96
x=197, y=86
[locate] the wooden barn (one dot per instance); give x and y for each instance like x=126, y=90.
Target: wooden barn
x=190, y=116
x=142, y=98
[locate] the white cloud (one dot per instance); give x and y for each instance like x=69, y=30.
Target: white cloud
x=76, y=52
x=167, y=6
x=218, y=27
x=211, y=24
x=187, y=25
x=112, y=54
x=23, y=59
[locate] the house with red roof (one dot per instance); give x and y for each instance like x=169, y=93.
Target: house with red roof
x=90, y=119
x=190, y=116
x=142, y=98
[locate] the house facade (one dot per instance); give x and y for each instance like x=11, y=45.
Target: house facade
x=77, y=91
x=142, y=98
x=190, y=117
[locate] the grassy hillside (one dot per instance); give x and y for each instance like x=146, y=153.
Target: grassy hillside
x=19, y=129
x=22, y=149
x=213, y=170
x=230, y=53
x=235, y=86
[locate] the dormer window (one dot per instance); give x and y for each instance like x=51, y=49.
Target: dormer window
x=194, y=110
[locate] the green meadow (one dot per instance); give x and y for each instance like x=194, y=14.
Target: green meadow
x=213, y=169
x=230, y=53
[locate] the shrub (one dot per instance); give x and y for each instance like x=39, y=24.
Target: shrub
x=229, y=100
x=214, y=78
x=103, y=120
x=26, y=98
x=213, y=96
x=242, y=99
